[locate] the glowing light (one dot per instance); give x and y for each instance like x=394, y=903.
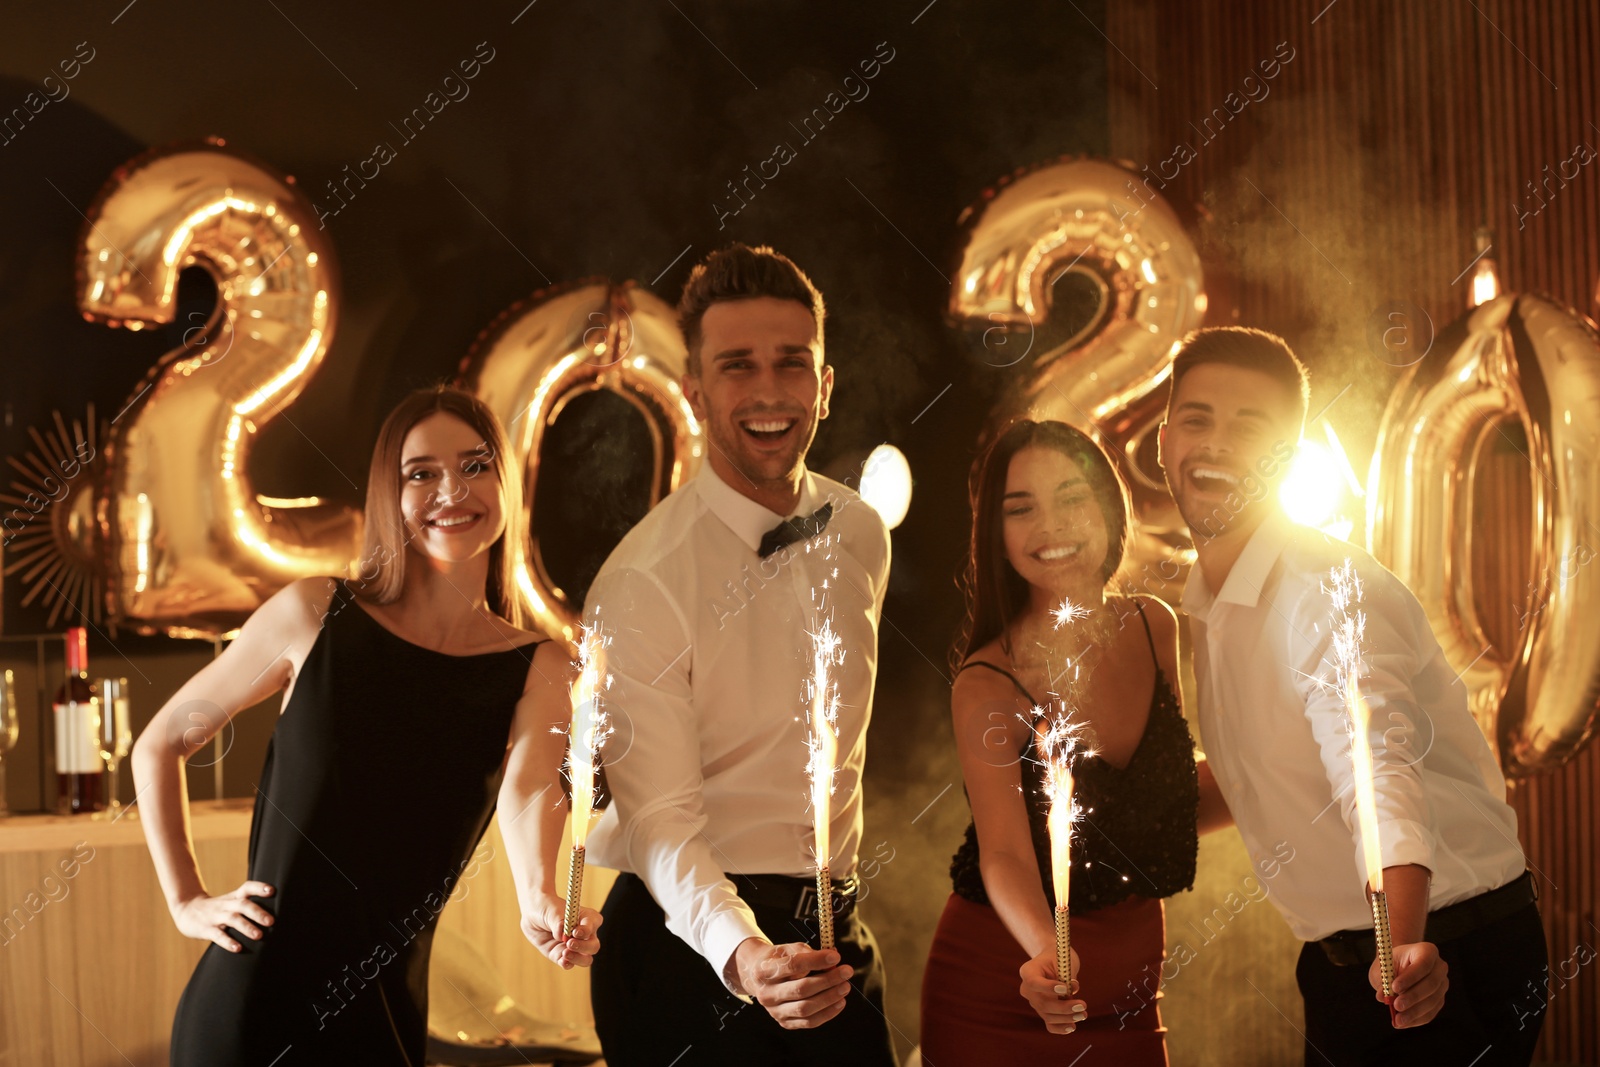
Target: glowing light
x=1485, y=284
x=1063, y=739
x=886, y=484
x=1067, y=611
x=1321, y=488
x=823, y=756
x=1308, y=494
x=1349, y=627
x=823, y=741
x=590, y=728
x=1486, y=273
x=1149, y=271
x=1343, y=460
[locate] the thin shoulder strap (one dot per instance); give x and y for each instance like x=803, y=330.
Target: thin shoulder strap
x=1149, y=640
x=1000, y=670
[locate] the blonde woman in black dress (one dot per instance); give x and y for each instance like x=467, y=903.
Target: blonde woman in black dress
x=415, y=696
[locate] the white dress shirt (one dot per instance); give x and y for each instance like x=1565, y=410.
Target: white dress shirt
x=709, y=657
x=1277, y=735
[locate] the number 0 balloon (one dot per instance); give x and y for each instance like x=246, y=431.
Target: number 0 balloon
x=1518, y=362
x=568, y=340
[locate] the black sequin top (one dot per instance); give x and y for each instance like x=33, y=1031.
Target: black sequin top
x=1135, y=834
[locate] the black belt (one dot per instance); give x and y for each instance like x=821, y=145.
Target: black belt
x=1350, y=948
x=795, y=897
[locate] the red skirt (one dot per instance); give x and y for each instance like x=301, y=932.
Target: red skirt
x=973, y=1012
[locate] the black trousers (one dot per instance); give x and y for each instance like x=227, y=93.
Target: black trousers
x=658, y=1003
x=1491, y=1016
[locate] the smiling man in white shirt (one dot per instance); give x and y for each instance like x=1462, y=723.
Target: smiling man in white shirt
x=1466, y=932
x=710, y=602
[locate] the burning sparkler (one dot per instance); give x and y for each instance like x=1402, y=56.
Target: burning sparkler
x=823, y=748
x=1062, y=740
x=1349, y=627
x=1068, y=612
x=590, y=728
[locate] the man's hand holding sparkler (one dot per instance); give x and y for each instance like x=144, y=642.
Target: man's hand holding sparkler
x=1421, y=977
x=542, y=924
x=1406, y=973
x=1044, y=990
x=800, y=986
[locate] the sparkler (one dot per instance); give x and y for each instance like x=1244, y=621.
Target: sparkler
x=590, y=728
x=1349, y=627
x=823, y=749
x=1062, y=740
x=1067, y=612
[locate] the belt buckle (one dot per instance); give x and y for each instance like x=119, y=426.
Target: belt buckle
x=1344, y=948
x=806, y=908
x=839, y=898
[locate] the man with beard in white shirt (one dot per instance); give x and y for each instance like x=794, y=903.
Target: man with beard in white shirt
x=1468, y=944
x=710, y=603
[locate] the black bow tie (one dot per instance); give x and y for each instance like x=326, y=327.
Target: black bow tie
x=799, y=528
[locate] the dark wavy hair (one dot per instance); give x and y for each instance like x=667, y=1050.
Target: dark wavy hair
x=739, y=272
x=995, y=593
x=1247, y=347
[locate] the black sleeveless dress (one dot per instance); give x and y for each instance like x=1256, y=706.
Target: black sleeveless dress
x=379, y=781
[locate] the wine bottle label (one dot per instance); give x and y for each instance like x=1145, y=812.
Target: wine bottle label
x=78, y=737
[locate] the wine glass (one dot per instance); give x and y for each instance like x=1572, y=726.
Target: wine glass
x=8, y=731
x=116, y=736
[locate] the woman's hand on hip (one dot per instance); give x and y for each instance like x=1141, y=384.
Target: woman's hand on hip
x=208, y=918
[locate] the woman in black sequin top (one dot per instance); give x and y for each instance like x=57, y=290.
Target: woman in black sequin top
x=1050, y=523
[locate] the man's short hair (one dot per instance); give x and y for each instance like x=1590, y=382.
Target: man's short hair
x=1242, y=346
x=740, y=272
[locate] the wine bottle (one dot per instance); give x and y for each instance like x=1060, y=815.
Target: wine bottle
x=80, y=772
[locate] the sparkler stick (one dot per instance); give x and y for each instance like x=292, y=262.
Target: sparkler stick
x=1061, y=813
x=1349, y=626
x=590, y=728
x=823, y=748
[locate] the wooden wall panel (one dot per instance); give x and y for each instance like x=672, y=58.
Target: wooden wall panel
x=1395, y=131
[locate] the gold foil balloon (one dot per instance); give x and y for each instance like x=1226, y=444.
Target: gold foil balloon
x=566, y=341
x=1523, y=373
x=192, y=548
x=1101, y=225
